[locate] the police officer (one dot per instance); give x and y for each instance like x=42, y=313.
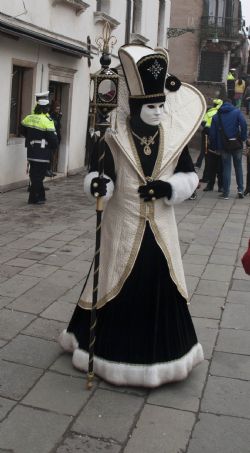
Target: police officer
x=41, y=139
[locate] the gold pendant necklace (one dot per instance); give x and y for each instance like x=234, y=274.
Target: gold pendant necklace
x=147, y=142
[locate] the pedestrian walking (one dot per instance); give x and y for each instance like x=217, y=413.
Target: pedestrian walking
x=41, y=138
x=206, y=123
x=246, y=99
x=231, y=84
x=240, y=86
x=144, y=332
x=229, y=130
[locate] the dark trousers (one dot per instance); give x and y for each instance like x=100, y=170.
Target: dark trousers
x=203, y=148
x=214, y=168
x=37, y=175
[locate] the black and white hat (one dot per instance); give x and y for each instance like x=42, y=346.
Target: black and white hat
x=42, y=98
x=145, y=70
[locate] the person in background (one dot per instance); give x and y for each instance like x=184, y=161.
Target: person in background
x=246, y=99
x=40, y=139
x=56, y=116
x=234, y=125
x=231, y=84
x=206, y=123
x=240, y=86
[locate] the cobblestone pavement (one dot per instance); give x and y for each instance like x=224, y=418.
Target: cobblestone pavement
x=44, y=405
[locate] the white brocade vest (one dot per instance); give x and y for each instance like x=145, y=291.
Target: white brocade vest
x=125, y=214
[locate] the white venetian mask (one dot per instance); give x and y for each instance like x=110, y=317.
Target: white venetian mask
x=152, y=113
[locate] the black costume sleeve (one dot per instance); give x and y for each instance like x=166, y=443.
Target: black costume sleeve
x=185, y=163
x=109, y=166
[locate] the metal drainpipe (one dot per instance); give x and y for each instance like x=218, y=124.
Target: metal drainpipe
x=128, y=21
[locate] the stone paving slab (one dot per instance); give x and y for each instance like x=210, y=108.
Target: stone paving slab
x=28, y=430
x=231, y=365
x=238, y=297
x=16, y=379
x=17, y=285
x=206, y=306
x=31, y=351
x=39, y=270
x=236, y=316
x=38, y=298
x=48, y=329
x=182, y=395
x=227, y=397
x=4, y=301
x=5, y=406
x=63, y=365
x=76, y=443
x=212, y=288
x=12, y=322
x=235, y=341
x=59, y=311
x=220, y=434
x=58, y=393
x=109, y=415
x=156, y=431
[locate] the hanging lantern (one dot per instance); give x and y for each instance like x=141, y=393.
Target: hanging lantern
x=103, y=84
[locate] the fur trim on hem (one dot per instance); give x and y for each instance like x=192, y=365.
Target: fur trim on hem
x=68, y=341
x=183, y=186
x=87, y=183
x=123, y=374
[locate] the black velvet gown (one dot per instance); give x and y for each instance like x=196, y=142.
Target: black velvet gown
x=148, y=322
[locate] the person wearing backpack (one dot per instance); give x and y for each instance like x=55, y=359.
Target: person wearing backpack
x=228, y=127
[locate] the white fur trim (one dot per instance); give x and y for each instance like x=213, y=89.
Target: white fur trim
x=137, y=375
x=68, y=341
x=183, y=185
x=87, y=183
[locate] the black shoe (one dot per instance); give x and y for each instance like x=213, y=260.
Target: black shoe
x=224, y=196
x=53, y=174
x=208, y=189
x=49, y=173
x=46, y=188
x=203, y=180
x=193, y=196
x=240, y=195
x=247, y=191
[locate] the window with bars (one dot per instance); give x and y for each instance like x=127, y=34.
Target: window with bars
x=211, y=66
x=21, y=97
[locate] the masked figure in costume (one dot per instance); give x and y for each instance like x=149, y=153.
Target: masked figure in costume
x=144, y=334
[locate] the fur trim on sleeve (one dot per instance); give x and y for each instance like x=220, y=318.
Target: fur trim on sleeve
x=87, y=183
x=183, y=185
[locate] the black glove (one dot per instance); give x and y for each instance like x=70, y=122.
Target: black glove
x=98, y=187
x=155, y=189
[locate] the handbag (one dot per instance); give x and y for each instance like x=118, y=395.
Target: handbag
x=246, y=260
x=230, y=145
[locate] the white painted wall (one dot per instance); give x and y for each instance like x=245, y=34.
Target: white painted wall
x=62, y=23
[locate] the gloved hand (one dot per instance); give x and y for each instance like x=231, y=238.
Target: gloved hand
x=155, y=189
x=98, y=187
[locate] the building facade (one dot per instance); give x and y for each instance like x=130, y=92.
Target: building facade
x=206, y=38
x=50, y=45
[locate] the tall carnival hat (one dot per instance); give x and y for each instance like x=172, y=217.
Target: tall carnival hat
x=145, y=71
